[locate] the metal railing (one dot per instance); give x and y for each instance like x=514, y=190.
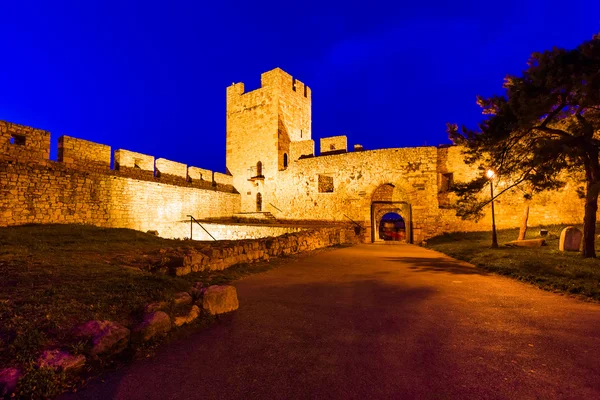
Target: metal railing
x=354, y=222
x=273, y=205
x=192, y=220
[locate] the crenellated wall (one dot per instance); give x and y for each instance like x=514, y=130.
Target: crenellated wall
x=81, y=188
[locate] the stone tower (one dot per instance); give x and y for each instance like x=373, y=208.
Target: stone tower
x=261, y=124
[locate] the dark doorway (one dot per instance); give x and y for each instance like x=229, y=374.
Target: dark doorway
x=258, y=202
x=392, y=228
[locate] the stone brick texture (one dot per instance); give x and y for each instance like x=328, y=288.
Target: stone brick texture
x=27, y=143
x=333, y=144
x=37, y=190
x=83, y=154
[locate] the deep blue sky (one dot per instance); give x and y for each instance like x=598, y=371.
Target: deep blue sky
x=150, y=76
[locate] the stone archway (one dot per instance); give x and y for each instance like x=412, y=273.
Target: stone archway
x=385, y=201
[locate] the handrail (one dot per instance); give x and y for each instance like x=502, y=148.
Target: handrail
x=272, y=205
x=354, y=222
x=192, y=220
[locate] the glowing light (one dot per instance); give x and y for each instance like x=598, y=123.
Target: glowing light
x=490, y=174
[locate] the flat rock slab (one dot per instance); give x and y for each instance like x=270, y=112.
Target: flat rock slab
x=220, y=299
x=59, y=360
x=154, y=324
x=105, y=337
x=527, y=243
x=9, y=378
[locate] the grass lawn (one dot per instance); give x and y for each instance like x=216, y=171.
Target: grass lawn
x=57, y=276
x=546, y=266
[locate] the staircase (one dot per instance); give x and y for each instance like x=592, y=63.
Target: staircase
x=255, y=217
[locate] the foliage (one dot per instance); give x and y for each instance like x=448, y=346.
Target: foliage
x=543, y=128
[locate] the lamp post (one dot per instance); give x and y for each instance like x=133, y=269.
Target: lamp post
x=490, y=174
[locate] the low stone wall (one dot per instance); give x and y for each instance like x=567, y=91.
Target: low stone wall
x=235, y=231
x=212, y=256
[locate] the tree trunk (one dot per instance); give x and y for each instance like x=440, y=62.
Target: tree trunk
x=524, y=219
x=592, y=172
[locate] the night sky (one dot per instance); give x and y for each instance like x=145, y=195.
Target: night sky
x=151, y=76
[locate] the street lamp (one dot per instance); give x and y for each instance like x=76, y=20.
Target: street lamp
x=490, y=174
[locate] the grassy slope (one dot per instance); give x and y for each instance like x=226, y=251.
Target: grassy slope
x=545, y=266
x=57, y=276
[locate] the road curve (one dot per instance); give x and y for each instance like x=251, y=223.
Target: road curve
x=378, y=322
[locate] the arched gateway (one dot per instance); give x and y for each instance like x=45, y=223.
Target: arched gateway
x=391, y=219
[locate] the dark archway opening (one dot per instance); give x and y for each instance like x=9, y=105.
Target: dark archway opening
x=392, y=227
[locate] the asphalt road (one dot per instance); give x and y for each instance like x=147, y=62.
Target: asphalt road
x=378, y=322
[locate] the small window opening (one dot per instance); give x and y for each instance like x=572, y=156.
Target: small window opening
x=18, y=140
x=285, y=160
x=325, y=184
x=305, y=91
x=136, y=163
x=258, y=202
x=259, y=169
x=300, y=133
x=332, y=147
x=294, y=84
x=447, y=182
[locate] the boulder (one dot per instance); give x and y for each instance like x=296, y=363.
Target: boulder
x=570, y=239
x=220, y=299
x=104, y=337
x=59, y=360
x=182, y=299
x=189, y=315
x=8, y=380
x=153, y=324
x=156, y=306
x=527, y=243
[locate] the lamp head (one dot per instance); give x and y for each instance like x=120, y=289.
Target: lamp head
x=490, y=174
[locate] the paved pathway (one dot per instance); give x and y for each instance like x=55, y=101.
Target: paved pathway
x=378, y=322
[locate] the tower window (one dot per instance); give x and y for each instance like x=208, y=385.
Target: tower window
x=332, y=147
x=325, y=184
x=447, y=182
x=137, y=162
x=305, y=91
x=258, y=202
x=18, y=140
x=294, y=84
x=300, y=133
x=259, y=171
x=285, y=160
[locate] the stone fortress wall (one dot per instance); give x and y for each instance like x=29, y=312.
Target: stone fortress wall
x=272, y=167
x=360, y=185
x=82, y=188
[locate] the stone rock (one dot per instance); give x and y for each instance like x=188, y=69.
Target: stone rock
x=570, y=239
x=9, y=377
x=152, y=232
x=182, y=299
x=180, y=270
x=527, y=243
x=154, y=324
x=192, y=313
x=59, y=360
x=156, y=306
x=105, y=337
x=220, y=299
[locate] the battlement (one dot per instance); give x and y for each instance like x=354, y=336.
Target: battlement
x=302, y=149
x=83, y=153
x=25, y=144
x=334, y=145
x=21, y=142
x=275, y=79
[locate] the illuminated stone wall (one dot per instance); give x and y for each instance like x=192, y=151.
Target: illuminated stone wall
x=19, y=142
x=83, y=154
x=37, y=190
x=260, y=126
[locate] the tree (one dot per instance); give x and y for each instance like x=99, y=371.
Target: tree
x=543, y=128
